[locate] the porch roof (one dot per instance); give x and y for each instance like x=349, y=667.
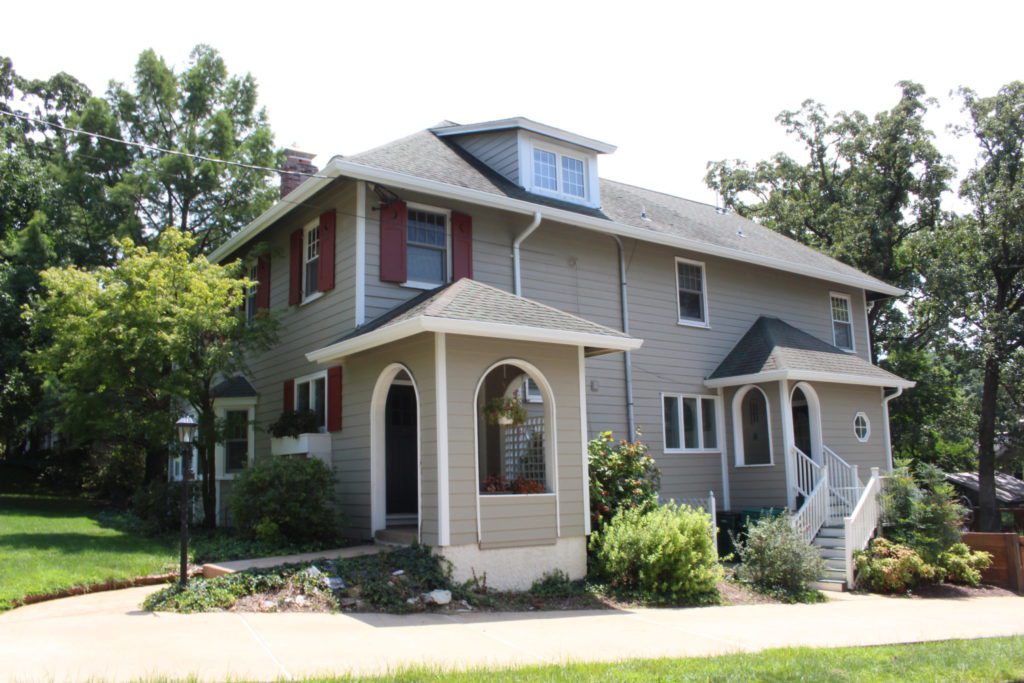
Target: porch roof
x=233, y=387
x=472, y=308
x=775, y=350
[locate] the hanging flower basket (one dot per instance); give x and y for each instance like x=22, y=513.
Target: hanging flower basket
x=505, y=411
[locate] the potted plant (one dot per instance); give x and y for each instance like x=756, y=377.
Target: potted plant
x=505, y=411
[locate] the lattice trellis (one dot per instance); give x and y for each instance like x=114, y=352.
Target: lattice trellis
x=524, y=450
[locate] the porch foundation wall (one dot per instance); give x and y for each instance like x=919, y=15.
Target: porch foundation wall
x=517, y=568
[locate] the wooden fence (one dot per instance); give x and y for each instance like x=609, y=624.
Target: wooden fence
x=1007, y=550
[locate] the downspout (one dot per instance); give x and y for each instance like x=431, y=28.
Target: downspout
x=885, y=415
x=517, y=280
x=627, y=356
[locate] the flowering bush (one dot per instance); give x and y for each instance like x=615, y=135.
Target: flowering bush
x=622, y=476
x=960, y=565
x=889, y=567
x=499, y=484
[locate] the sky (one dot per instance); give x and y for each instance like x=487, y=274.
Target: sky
x=672, y=84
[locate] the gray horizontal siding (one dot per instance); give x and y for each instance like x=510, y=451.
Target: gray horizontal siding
x=499, y=150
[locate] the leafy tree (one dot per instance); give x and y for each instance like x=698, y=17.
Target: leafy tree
x=866, y=190
x=125, y=344
x=978, y=267
x=202, y=111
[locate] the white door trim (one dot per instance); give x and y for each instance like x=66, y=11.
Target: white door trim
x=378, y=443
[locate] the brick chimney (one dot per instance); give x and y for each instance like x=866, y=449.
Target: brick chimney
x=294, y=160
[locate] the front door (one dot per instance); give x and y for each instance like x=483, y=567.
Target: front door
x=400, y=451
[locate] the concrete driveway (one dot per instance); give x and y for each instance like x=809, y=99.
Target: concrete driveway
x=105, y=636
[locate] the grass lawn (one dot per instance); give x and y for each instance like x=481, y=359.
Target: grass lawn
x=992, y=659
x=49, y=543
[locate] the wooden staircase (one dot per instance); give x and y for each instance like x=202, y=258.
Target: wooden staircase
x=831, y=544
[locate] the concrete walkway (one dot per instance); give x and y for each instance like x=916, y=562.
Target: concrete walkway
x=105, y=636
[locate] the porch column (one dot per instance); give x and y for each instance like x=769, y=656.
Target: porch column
x=786, y=414
x=441, y=396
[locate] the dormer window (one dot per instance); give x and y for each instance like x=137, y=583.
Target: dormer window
x=561, y=172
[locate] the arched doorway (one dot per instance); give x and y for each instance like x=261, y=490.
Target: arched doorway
x=395, y=452
x=752, y=431
x=806, y=413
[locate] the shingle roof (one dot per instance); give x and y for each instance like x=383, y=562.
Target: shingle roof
x=771, y=345
x=233, y=387
x=472, y=301
x=427, y=156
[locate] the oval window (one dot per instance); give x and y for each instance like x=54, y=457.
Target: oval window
x=861, y=427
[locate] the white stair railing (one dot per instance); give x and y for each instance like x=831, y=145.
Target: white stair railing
x=844, y=483
x=860, y=525
x=813, y=514
x=808, y=472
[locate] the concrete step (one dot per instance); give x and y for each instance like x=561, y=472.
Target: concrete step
x=833, y=585
x=832, y=553
x=829, y=541
x=837, y=574
x=396, y=536
x=830, y=532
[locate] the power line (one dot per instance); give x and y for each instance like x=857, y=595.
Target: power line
x=162, y=150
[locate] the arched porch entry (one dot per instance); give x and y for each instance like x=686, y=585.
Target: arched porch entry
x=806, y=415
x=395, y=446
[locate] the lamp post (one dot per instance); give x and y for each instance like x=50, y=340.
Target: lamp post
x=187, y=428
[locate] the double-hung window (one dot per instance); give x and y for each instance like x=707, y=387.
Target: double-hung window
x=427, y=245
x=311, y=395
x=560, y=173
x=692, y=289
x=311, y=260
x=690, y=422
x=236, y=440
x=842, y=321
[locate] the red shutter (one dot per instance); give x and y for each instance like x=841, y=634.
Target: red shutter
x=393, y=219
x=334, y=399
x=295, y=271
x=325, y=274
x=289, y=396
x=462, y=246
x=263, y=281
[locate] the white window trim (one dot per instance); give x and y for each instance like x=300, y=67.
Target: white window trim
x=867, y=424
x=251, y=293
x=737, y=427
x=312, y=225
x=447, y=213
x=221, y=406
x=706, y=323
x=700, y=431
x=527, y=384
x=832, y=321
x=527, y=143
x=327, y=394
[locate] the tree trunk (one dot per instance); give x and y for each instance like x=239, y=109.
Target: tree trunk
x=988, y=511
x=207, y=451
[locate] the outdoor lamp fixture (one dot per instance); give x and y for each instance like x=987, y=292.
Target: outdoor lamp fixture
x=188, y=430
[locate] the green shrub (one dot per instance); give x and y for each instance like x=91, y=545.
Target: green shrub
x=291, y=423
x=157, y=506
x=922, y=513
x=286, y=499
x=775, y=559
x=665, y=554
x=961, y=565
x=622, y=476
x=556, y=584
x=888, y=567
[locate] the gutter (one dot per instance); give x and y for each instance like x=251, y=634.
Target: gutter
x=627, y=356
x=885, y=415
x=340, y=167
x=517, y=279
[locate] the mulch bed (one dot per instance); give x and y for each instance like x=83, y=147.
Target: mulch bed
x=948, y=590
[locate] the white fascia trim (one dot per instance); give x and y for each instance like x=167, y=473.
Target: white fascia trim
x=808, y=376
x=360, y=291
x=340, y=167
x=441, y=439
x=532, y=126
x=470, y=328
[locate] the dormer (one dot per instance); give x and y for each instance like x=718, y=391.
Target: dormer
x=538, y=158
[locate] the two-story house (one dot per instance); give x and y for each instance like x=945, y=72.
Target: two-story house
x=428, y=287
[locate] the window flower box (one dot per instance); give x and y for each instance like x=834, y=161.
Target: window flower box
x=313, y=444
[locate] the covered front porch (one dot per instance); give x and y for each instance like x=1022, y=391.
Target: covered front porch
x=465, y=429
x=807, y=425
